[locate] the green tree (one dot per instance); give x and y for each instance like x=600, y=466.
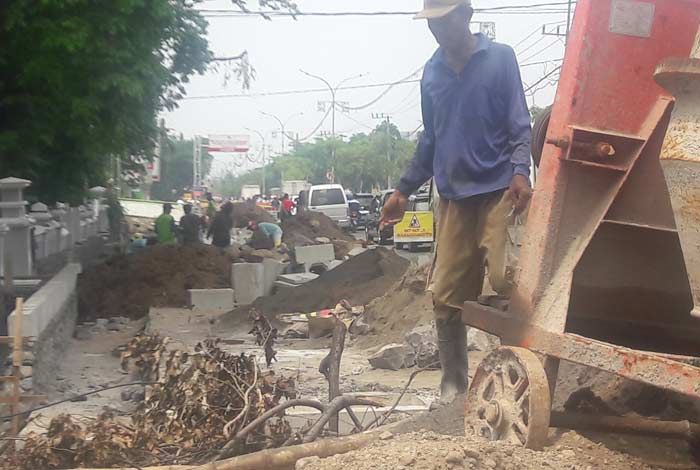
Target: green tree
x=82, y=81
x=361, y=163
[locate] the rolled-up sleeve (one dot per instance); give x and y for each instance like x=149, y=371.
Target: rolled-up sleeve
x=420, y=169
x=518, y=117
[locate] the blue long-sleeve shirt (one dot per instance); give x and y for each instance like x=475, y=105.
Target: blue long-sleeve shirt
x=476, y=125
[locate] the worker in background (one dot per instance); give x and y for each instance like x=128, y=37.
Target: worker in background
x=165, y=226
x=301, y=202
x=287, y=207
x=266, y=235
x=211, y=208
x=220, y=228
x=476, y=146
x=189, y=226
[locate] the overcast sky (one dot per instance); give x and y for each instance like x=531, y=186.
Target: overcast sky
x=382, y=48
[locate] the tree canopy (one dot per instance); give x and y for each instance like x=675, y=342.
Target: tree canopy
x=361, y=163
x=83, y=81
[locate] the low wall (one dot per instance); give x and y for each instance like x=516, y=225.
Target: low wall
x=47, y=303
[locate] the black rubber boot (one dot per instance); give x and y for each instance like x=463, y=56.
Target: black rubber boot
x=453, y=358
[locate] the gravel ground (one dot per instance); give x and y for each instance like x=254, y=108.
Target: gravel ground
x=431, y=451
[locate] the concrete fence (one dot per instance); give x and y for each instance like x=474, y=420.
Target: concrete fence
x=27, y=237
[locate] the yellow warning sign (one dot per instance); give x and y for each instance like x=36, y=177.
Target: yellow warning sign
x=415, y=227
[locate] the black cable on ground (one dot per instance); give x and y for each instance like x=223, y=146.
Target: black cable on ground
x=49, y=405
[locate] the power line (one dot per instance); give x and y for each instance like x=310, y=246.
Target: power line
x=545, y=77
x=297, y=92
x=542, y=50
x=534, y=8
x=383, y=94
x=541, y=62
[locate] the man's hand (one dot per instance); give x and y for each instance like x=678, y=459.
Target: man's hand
x=393, y=210
x=520, y=193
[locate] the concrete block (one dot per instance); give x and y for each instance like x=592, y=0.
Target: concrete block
x=333, y=264
x=212, y=299
x=297, y=279
x=313, y=254
x=423, y=340
x=358, y=250
x=272, y=269
x=248, y=282
x=46, y=303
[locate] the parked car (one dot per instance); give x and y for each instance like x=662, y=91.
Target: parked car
x=330, y=199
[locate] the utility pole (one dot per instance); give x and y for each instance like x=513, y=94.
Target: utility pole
x=197, y=164
x=387, y=125
x=333, y=106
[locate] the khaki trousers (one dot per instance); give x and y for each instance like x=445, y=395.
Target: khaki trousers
x=471, y=239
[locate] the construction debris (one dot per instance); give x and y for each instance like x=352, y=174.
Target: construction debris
x=393, y=357
x=423, y=339
x=199, y=403
x=127, y=286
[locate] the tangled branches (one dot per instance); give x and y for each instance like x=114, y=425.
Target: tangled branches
x=202, y=399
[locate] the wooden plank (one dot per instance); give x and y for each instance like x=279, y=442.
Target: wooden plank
x=18, y=349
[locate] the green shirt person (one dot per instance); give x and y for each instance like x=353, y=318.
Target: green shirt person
x=165, y=226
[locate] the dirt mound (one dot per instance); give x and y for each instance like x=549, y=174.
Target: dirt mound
x=403, y=307
x=159, y=276
x=431, y=451
x=301, y=231
x=359, y=280
x=244, y=212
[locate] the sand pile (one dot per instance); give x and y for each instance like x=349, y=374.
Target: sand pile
x=301, y=231
x=359, y=280
x=244, y=212
x=158, y=276
x=404, y=306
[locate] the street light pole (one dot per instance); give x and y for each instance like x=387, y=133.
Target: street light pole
x=333, y=102
x=283, y=124
x=262, y=137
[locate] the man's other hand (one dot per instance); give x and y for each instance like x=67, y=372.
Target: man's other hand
x=520, y=193
x=393, y=210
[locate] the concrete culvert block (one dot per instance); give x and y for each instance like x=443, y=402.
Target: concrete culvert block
x=248, y=282
x=314, y=254
x=393, y=357
x=212, y=299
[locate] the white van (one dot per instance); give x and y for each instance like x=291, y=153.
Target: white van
x=330, y=199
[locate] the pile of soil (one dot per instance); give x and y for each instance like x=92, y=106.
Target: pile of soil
x=244, y=212
x=402, y=308
x=359, y=280
x=303, y=230
x=432, y=451
x=159, y=276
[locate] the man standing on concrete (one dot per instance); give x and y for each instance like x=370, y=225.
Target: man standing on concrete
x=476, y=146
x=189, y=226
x=165, y=226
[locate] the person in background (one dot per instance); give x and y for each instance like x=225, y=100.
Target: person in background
x=301, y=202
x=220, y=228
x=275, y=203
x=287, y=207
x=211, y=208
x=189, y=226
x=165, y=226
x=269, y=231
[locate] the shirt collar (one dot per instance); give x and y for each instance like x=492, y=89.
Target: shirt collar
x=483, y=43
